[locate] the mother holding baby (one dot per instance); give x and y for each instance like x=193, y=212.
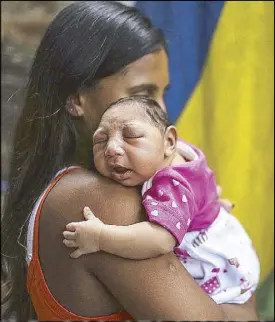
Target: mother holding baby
x=92, y=54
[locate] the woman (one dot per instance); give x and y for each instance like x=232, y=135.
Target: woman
x=92, y=54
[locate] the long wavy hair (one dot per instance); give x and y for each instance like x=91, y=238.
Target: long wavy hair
x=86, y=42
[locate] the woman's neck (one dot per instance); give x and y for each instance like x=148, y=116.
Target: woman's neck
x=84, y=153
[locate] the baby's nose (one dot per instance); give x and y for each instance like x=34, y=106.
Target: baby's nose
x=113, y=148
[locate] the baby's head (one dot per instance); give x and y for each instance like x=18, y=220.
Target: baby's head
x=133, y=140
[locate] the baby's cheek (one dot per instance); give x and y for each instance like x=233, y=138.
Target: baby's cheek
x=99, y=162
x=151, y=165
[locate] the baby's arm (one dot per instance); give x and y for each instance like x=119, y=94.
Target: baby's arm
x=170, y=206
x=138, y=241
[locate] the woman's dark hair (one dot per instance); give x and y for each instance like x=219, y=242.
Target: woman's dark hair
x=156, y=115
x=86, y=42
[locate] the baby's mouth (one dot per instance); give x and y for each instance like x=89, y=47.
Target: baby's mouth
x=120, y=169
x=120, y=173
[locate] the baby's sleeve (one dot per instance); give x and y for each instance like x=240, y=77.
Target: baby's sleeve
x=169, y=202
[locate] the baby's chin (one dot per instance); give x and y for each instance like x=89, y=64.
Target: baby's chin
x=128, y=182
x=131, y=179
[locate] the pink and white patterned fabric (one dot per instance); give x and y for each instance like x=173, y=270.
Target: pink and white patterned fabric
x=211, y=243
x=182, y=198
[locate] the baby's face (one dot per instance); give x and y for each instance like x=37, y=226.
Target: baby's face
x=127, y=147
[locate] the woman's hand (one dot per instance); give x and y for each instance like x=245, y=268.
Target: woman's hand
x=84, y=235
x=225, y=203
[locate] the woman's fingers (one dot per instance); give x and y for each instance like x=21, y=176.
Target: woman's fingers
x=226, y=204
x=69, y=235
x=219, y=191
x=69, y=243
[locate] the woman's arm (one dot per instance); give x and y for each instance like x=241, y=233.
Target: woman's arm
x=158, y=288
x=161, y=288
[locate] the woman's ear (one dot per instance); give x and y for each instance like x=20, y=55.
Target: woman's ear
x=170, y=140
x=74, y=105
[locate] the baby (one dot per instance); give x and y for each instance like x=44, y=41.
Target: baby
x=136, y=145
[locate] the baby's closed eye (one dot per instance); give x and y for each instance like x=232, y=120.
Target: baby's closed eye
x=100, y=139
x=130, y=133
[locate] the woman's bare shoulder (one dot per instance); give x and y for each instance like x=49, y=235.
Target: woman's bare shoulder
x=113, y=203
x=81, y=188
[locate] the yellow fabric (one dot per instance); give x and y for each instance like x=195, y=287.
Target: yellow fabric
x=230, y=117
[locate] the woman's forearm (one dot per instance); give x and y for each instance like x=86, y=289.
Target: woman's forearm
x=157, y=288
x=138, y=241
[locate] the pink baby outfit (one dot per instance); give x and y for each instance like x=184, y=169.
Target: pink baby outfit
x=211, y=243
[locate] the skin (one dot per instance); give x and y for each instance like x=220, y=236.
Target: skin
x=129, y=142
x=128, y=148
x=157, y=288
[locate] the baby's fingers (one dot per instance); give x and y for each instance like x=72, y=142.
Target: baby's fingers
x=77, y=253
x=69, y=235
x=69, y=243
x=88, y=214
x=71, y=226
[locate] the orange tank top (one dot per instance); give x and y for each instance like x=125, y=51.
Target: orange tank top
x=45, y=305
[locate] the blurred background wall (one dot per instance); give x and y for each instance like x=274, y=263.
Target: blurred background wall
x=22, y=26
x=221, y=97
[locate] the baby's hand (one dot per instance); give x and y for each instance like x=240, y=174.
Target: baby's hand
x=85, y=234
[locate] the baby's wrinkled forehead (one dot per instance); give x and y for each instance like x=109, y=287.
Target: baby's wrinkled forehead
x=124, y=114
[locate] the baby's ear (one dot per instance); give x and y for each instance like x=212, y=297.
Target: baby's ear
x=170, y=140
